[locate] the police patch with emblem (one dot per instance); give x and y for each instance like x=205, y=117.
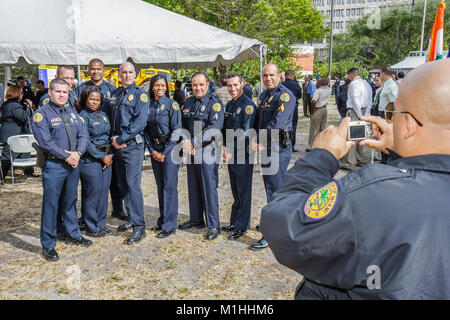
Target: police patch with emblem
x=285, y=97
x=321, y=203
x=144, y=97
x=130, y=97
x=176, y=106
x=203, y=108
x=38, y=117
x=238, y=111
x=46, y=100
x=249, y=110
x=217, y=107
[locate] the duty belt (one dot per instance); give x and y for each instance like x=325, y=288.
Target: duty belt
x=103, y=148
x=159, y=140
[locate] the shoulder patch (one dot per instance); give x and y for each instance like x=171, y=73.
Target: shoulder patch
x=249, y=109
x=37, y=117
x=130, y=97
x=320, y=204
x=144, y=97
x=46, y=100
x=176, y=106
x=285, y=97
x=217, y=107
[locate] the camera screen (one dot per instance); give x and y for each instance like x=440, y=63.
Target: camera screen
x=358, y=132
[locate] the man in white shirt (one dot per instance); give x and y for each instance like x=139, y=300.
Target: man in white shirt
x=389, y=90
x=319, y=115
x=359, y=103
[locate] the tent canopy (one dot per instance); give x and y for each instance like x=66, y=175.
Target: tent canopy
x=72, y=32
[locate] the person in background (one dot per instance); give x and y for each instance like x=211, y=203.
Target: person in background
x=305, y=97
x=26, y=90
x=179, y=95
x=342, y=99
x=258, y=89
x=319, y=114
x=14, y=121
x=2, y=93
x=222, y=93
x=248, y=91
x=95, y=165
x=401, y=75
x=292, y=84
x=389, y=90
x=376, y=101
x=42, y=90
x=164, y=118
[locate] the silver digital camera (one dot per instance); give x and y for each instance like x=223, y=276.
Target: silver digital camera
x=359, y=130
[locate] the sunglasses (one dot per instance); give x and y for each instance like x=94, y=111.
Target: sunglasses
x=390, y=116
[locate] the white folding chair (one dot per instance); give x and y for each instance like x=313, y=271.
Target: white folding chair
x=21, y=144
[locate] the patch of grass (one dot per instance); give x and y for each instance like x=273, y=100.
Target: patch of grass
x=115, y=278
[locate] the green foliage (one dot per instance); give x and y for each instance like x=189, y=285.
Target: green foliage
x=399, y=33
x=340, y=67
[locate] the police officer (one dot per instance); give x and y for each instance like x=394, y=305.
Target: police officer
x=292, y=84
x=68, y=75
x=128, y=112
x=380, y=232
x=164, y=119
x=95, y=166
x=203, y=111
x=62, y=135
x=239, y=115
x=96, y=70
x=274, y=117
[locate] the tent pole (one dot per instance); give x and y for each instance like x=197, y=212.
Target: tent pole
x=260, y=67
x=79, y=74
x=7, y=75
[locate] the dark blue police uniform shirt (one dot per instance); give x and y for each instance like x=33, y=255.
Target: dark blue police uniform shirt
x=132, y=113
x=275, y=109
x=294, y=87
x=50, y=132
x=105, y=88
x=72, y=101
x=208, y=110
x=164, y=118
x=239, y=114
x=99, y=129
x=394, y=216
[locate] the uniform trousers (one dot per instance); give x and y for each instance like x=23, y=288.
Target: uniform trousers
x=241, y=176
x=94, y=194
x=59, y=178
x=129, y=174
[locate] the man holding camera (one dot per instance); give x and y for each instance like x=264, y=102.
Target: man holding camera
x=380, y=232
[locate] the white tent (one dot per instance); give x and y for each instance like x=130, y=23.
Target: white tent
x=72, y=32
x=412, y=61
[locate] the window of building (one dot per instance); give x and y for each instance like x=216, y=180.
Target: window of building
x=353, y=12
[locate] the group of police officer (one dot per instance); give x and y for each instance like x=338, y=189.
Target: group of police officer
x=104, y=143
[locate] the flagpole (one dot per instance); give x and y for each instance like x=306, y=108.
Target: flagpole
x=423, y=25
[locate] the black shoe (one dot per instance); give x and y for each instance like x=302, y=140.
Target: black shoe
x=136, y=237
x=156, y=228
x=62, y=236
x=212, y=233
x=124, y=227
x=188, y=225
x=81, y=225
x=294, y=150
x=165, y=234
x=260, y=245
x=237, y=234
x=120, y=215
x=308, y=149
x=81, y=242
x=228, y=228
x=50, y=254
x=257, y=227
x=100, y=234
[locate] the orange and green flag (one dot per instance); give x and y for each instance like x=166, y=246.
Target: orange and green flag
x=435, y=48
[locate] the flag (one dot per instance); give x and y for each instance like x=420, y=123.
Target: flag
x=435, y=48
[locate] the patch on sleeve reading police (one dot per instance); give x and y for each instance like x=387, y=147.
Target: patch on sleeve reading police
x=320, y=204
x=37, y=117
x=285, y=97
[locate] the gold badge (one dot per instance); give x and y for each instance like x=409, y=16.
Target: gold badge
x=46, y=100
x=176, y=106
x=82, y=119
x=249, y=110
x=104, y=118
x=38, y=117
x=144, y=98
x=130, y=97
x=321, y=203
x=285, y=97
x=217, y=107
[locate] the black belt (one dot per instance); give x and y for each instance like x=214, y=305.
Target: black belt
x=53, y=158
x=206, y=143
x=103, y=148
x=159, y=140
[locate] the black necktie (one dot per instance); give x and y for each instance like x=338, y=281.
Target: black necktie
x=69, y=129
x=115, y=122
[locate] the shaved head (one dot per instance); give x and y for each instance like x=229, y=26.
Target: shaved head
x=270, y=66
x=271, y=76
x=425, y=92
x=128, y=64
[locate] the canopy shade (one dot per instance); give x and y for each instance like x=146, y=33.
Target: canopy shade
x=72, y=32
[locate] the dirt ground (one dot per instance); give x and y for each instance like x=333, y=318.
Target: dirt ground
x=182, y=266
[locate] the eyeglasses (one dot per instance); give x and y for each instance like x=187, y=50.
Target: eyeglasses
x=390, y=116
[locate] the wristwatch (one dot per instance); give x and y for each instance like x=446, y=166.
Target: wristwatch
x=80, y=153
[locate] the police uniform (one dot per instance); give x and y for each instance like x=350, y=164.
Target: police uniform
x=94, y=180
x=57, y=129
x=240, y=114
x=71, y=101
x=297, y=92
x=163, y=119
x=275, y=111
x=203, y=178
x=128, y=112
x=105, y=88
x=378, y=233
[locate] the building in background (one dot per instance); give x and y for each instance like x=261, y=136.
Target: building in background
x=303, y=57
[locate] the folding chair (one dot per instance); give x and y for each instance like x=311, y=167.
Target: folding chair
x=21, y=144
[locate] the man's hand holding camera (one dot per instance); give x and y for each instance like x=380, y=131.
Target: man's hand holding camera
x=383, y=131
